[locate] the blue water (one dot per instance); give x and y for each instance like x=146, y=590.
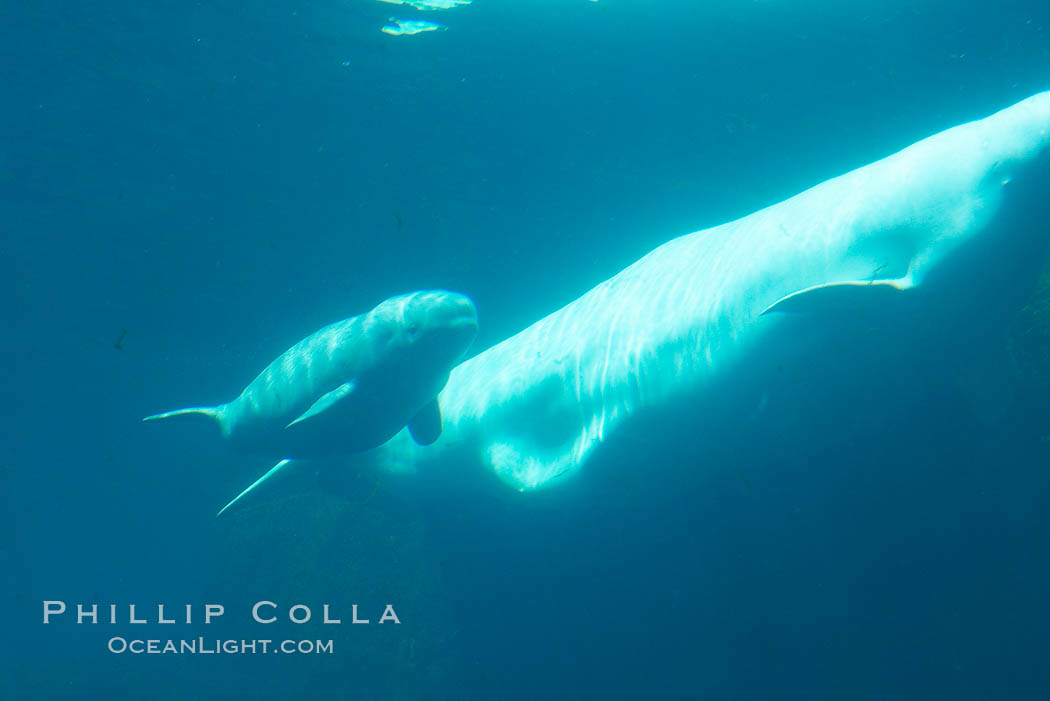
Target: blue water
x=203, y=184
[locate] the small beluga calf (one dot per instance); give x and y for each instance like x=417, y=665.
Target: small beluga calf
x=352, y=385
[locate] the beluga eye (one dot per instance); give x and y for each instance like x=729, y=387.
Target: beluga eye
x=413, y=328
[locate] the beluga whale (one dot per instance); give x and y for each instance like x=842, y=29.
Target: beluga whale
x=937, y=229
x=353, y=384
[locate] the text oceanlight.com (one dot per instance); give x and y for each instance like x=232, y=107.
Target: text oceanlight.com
x=202, y=646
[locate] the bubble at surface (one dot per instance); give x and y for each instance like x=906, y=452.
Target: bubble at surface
x=429, y=4
x=407, y=27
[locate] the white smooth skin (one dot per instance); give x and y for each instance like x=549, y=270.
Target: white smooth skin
x=534, y=406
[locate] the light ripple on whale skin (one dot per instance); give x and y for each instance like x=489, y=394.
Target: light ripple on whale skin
x=701, y=322
x=695, y=319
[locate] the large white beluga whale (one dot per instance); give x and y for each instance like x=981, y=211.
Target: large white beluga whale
x=353, y=384
x=929, y=228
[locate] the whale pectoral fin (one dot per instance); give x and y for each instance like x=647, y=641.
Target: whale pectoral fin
x=287, y=476
x=526, y=465
x=840, y=296
x=270, y=473
x=425, y=426
x=326, y=402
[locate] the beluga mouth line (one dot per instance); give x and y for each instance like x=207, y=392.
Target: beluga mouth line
x=353, y=384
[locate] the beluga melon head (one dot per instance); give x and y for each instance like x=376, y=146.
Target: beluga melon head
x=433, y=326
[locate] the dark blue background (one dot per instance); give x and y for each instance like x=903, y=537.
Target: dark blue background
x=212, y=178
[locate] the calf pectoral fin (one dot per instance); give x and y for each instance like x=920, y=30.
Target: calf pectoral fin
x=840, y=296
x=252, y=487
x=326, y=402
x=425, y=426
